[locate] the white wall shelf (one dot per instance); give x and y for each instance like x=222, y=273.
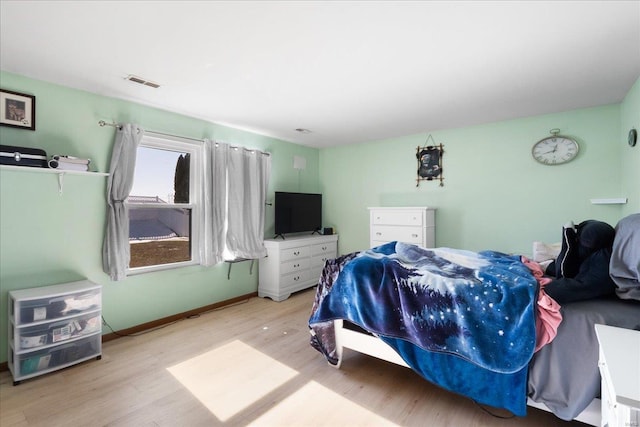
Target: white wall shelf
x=61, y=173
x=610, y=201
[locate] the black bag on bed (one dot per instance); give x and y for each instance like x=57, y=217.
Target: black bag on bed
x=22, y=156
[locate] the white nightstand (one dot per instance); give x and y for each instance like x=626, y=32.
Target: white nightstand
x=620, y=371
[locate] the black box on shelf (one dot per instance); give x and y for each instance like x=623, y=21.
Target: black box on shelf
x=23, y=156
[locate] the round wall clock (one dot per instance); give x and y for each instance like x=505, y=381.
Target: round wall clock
x=633, y=137
x=555, y=149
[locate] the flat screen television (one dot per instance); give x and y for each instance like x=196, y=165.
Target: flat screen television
x=297, y=212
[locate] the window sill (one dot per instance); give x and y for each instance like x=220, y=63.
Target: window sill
x=162, y=267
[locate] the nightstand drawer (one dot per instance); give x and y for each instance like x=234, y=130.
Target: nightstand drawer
x=607, y=394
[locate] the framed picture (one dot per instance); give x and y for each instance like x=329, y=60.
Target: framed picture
x=17, y=110
x=430, y=163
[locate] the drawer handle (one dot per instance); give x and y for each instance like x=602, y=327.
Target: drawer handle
x=296, y=253
x=414, y=235
x=295, y=279
x=378, y=234
x=296, y=265
x=324, y=248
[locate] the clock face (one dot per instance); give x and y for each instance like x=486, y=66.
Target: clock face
x=633, y=137
x=555, y=150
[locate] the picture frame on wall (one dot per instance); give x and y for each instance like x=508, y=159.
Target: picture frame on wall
x=17, y=110
x=430, y=162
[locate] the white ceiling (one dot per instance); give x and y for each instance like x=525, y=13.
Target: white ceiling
x=348, y=71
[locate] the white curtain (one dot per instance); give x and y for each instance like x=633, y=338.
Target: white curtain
x=235, y=193
x=115, y=249
x=214, y=202
x=248, y=176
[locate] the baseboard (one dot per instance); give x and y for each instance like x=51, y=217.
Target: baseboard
x=170, y=319
x=165, y=320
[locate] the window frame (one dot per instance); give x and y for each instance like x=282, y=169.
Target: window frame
x=196, y=152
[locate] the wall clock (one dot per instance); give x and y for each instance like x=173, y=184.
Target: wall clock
x=633, y=137
x=555, y=149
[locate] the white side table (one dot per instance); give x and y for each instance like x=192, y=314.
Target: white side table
x=620, y=371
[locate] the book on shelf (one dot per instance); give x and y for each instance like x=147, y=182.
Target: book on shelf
x=71, y=159
x=67, y=166
x=69, y=163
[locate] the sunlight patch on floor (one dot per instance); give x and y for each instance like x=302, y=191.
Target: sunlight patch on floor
x=231, y=378
x=315, y=405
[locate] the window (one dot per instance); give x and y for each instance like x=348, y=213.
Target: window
x=163, y=205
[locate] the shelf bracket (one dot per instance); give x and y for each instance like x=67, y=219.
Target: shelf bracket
x=233, y=261
x=60, y=182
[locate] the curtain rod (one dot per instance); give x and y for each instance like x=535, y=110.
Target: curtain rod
x=102, y=123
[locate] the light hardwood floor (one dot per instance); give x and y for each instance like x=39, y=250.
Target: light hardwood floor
x=249, y=364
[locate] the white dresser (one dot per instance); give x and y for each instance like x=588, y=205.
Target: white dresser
x=415, y=225
x=293, y=264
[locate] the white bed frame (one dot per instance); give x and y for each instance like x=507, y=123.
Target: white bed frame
x=372, y=346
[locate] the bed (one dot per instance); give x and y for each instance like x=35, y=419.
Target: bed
x=431, y=310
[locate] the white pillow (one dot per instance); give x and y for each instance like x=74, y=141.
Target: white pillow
x=546, y=251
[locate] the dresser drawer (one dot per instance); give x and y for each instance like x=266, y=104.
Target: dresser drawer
x=295, y=265
x=325, y=248
x=389, y=233
x=394, y=217
x=293, y=279
x=315, y=274
x=320, y=260
x=295, y=253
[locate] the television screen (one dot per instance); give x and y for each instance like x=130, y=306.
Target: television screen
x=297, y=212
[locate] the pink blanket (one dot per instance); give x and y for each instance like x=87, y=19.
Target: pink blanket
x=548, y=315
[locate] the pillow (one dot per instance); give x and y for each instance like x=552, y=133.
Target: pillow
x=546, y=251
x=624, y=266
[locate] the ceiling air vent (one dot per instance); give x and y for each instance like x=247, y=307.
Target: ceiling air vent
x=142, y=81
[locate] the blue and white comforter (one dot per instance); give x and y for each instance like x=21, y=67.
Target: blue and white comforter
x=461, y=319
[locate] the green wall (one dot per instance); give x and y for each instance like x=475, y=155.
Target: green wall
x=495, y=196
x=630, y=158
x=47, y=238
